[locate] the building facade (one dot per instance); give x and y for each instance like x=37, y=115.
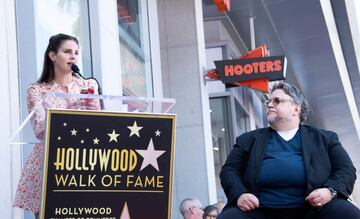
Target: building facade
x=147, y=48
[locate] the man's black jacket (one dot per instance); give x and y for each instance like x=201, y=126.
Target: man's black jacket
x=326, y=162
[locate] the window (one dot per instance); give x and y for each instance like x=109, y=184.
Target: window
x=63, y=16
x=241, y=117
x=134, y=47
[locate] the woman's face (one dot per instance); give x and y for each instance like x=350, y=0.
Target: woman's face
x=211, y=215
x=65, y=57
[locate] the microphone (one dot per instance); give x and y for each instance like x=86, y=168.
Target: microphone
x=76, y=69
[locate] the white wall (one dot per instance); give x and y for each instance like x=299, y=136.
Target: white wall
x=9, y=154
x=183, y=64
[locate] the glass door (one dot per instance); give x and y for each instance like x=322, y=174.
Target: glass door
x=220, y=118
x=228, y=120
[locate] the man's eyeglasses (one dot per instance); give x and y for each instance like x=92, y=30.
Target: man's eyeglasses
x=276, y=101
x=196, y=207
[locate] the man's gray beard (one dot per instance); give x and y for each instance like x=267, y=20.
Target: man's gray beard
x=272, y=120
x=276, y=119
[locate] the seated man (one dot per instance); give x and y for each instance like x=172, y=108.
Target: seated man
x=191, y=208
x=288, y=170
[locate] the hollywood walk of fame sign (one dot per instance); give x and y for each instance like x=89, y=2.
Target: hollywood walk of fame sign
x=108, y=165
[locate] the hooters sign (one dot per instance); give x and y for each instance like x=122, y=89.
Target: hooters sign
x=252, y=69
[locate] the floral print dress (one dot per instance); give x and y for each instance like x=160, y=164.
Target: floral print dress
x=29, y=188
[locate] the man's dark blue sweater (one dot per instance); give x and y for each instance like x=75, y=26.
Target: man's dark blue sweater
x=282, y=177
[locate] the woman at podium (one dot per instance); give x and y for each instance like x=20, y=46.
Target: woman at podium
x=57, y=76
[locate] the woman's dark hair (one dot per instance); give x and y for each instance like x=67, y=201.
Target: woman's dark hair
x=297, y=96
x=55, y=42
x=209, y=209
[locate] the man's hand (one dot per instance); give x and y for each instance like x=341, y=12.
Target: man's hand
x=319, y=197
x=247, y=202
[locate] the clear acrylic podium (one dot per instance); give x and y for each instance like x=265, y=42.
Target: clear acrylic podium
x=67, y=114
x=110, y=103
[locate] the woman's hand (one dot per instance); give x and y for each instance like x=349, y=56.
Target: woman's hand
x=319, y=197
x=247, y=202
x=89, y=104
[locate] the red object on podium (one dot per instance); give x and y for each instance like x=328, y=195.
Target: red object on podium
x=90, y=90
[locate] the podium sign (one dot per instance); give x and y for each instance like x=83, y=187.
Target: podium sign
x=108, y=165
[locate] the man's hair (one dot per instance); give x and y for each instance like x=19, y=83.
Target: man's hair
x=185, y=205
x=296, y=95
x=211, y=208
